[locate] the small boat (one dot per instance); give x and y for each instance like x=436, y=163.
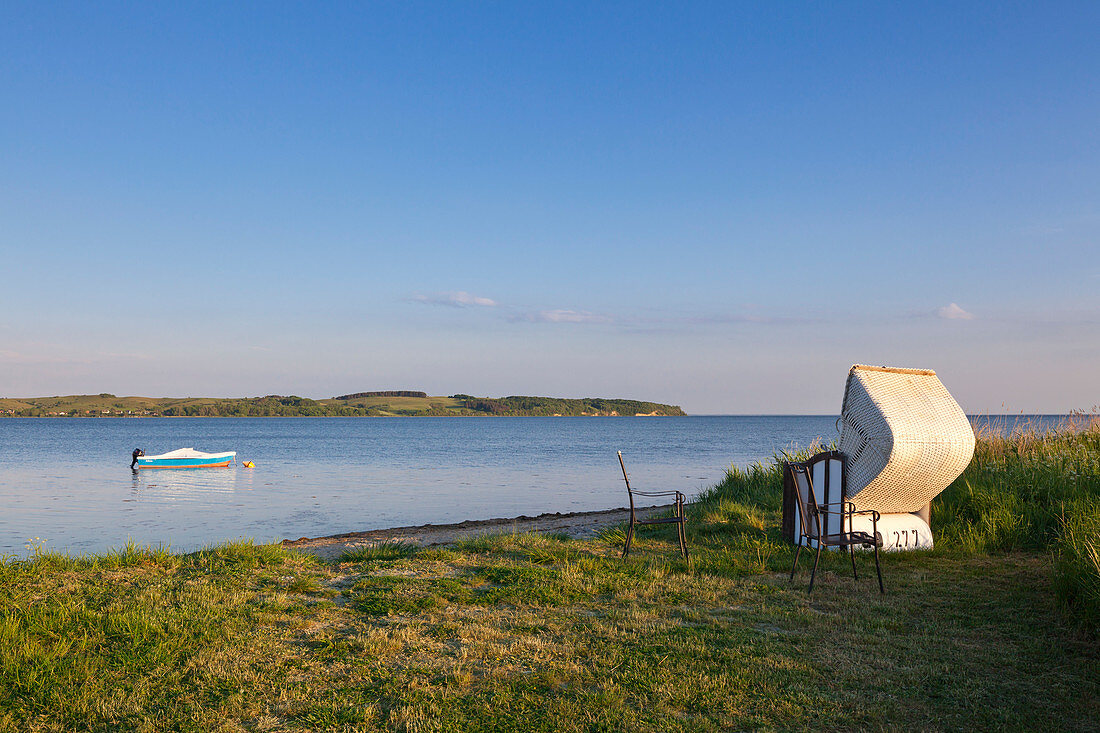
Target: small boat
x=186, y=458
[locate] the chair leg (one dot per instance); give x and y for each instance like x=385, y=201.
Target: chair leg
x=629, y=537
x=852, y=552
x=813, y=573
x=878, y=569
x=797, y=552
x=683, y=538
x=682, y=526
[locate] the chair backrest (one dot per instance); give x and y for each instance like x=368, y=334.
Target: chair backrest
x=806, y=499
x=829, y=475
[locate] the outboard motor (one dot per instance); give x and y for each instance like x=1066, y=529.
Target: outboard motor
x=137, y=453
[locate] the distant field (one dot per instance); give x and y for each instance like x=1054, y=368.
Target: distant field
x=108, y=405
x=395, y=404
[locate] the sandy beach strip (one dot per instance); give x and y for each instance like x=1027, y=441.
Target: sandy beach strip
x=575, y=524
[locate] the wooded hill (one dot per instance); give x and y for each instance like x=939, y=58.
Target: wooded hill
x=360, y=404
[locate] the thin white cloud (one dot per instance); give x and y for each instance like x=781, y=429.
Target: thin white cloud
x=647, y=323
x=457, y=299
x=124, y=355
x=565, y=316
x=18, y=357
x=954, y=312
x=728, y=318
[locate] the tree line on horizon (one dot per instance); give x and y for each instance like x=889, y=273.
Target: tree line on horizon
x=551, y=406
x=369, y=405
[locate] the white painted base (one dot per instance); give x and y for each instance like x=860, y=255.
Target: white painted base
x=899, y=532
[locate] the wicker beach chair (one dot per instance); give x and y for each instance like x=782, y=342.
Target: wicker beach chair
x=827, y=524
x=677, y=518
x=903, y=440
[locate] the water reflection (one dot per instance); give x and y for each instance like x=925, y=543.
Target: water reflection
x=192, y=485
x=67, y=481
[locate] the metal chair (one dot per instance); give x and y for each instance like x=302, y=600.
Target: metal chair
x=678, y=519
x=812, y=529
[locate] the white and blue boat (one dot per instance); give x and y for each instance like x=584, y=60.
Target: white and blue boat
x=187, y=458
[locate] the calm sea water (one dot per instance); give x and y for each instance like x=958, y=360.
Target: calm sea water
x=68, y=481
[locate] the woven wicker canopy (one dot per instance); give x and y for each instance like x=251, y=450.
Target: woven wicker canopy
x=904, y=436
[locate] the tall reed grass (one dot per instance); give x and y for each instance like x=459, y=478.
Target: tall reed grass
x=756, y=488
x=1028, y=487
x=1033, y=488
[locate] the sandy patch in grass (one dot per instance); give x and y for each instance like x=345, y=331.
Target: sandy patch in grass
x=578, y=525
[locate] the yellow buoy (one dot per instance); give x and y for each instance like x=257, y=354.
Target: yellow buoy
x=248, y=464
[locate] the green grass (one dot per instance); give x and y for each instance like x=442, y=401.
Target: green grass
x=1034, y=490
x=1026, y=489
x=535, y=632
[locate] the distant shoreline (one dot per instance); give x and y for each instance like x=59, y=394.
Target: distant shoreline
x=319, y=417
x=396, y=403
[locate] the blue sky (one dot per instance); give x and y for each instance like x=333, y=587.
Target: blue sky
x=718, y=205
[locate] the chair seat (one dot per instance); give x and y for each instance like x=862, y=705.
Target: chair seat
x=665, y=520
x=852, y=538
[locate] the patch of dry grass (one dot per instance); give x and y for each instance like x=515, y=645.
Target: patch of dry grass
x=537, y=633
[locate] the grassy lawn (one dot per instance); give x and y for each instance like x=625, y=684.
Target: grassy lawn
x=531, y=632
x=539, y=633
